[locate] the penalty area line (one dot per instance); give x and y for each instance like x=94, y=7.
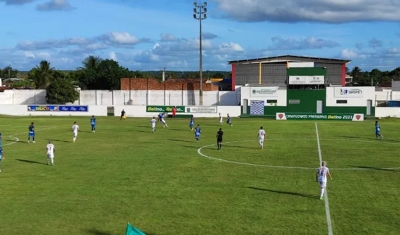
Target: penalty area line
x=327, y=210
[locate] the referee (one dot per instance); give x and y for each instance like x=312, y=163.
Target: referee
x=220, y=133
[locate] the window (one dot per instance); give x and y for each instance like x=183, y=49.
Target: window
x=294, y=101
x=341, y=101
x=272, y=101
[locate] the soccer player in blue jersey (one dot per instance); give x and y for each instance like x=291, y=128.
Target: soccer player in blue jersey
x=378, y=131
x=228, y=120
x=160, y=116
x=31, y=130
x=191, y=123
x=93, y=123
x=197, y=132
x=1, y=156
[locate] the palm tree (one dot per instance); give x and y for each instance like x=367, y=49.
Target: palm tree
x=42, y=75
x=90, y=63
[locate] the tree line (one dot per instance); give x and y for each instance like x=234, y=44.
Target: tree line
x=374, y=77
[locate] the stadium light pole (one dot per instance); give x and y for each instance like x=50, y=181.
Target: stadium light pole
x=200, y=14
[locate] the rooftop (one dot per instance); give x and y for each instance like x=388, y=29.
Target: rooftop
x=289, y=58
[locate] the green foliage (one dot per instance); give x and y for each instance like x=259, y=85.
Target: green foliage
x=374, y=77
x=42, y=75
x=61, y=91
x=8, y=72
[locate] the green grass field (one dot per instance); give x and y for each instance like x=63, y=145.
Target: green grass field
x=161, y=184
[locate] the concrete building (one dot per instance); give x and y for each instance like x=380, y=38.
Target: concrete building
x=272, y=71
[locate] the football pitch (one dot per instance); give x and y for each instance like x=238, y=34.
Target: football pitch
x=165, y=183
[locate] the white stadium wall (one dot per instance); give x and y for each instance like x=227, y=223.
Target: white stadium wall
x=384, y=112
x=266, y=94
x=354, y=96
x=22, y=110
x=140, y=111
x=119, y=97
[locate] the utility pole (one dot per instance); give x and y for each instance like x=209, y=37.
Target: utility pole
x=200, y=11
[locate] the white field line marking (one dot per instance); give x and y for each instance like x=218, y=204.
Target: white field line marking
x=328, y=213
x=280, y=167
x=26, y=132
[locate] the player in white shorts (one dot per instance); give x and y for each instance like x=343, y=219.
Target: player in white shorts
x=163, y=122
x=50, y=149
x=220, y=119
x=75, y=129
x=153, y=124
x=261, y=137
x=321, y=178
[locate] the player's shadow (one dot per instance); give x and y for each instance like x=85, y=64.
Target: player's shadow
x=375, y=168
x=285, y=192
x=234, y=146
x=349, y=137
x=18, y=142
x=32, y=162
x=65, y=141
x=97, y=232
x=176, y=140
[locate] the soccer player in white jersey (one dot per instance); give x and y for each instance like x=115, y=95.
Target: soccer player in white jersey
x=50, y=149
x=321, y=178
x=163, y=122
x=220, y=119
x=153, y=124
x=75, y=129
x=261, y=137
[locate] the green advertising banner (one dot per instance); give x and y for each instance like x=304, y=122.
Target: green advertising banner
x=168, y=109
x=317, y=116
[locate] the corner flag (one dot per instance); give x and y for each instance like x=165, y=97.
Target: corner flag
x=130, y=230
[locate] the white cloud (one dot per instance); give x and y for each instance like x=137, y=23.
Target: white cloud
x=280, y=43
x=122, y=38
x=331, y=11
x=113, y=56
x=167, y=37
x=55, y=5
x=348, y=54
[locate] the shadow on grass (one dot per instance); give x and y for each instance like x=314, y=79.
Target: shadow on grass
x=349, y=137
x=375, y=168
x=240, y=147
x=65, y=141
x=97, y=232
x=18, y=142
x=180, y=140
x=32, y=162
x=285, y=192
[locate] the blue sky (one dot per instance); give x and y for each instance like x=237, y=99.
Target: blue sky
x=150, y=35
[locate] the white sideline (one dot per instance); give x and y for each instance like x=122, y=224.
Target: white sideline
x=328, y=213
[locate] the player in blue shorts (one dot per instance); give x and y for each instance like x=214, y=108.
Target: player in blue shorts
x=160, y=116
x=378, y=131
x=31, y=130
x=93, y=123
x=197, y=132
x=191, y=123
x=228, y=120
x=1, y=156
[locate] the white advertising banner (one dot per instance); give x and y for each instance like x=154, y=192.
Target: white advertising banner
x=264, y=91
x=345, y=92
x=201, y=109
x=306, y=80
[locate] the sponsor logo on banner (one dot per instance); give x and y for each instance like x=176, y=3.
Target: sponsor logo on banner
x=210, y=109
x=73, y=108
x=358, y=117
x=315, y=116
x=306, y=80
x=341, y=92
x=168, y=109
x=264, y=91
x=280, y=116
x=44, y=108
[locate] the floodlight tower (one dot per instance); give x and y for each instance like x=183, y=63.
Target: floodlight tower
x=200, y=14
